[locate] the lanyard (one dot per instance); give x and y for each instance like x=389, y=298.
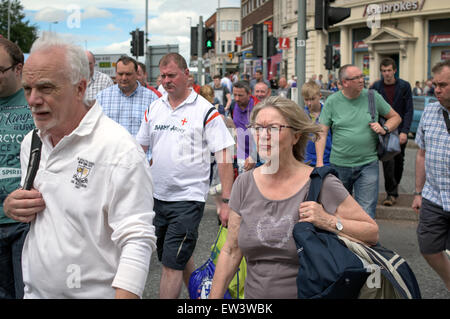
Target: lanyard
x=446, y=119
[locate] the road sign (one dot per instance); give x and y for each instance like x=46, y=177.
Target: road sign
x=283, y=43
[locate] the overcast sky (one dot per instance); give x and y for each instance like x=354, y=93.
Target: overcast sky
x=103, y=26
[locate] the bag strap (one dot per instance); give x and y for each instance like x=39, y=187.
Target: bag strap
x=35, y=158
x=317, y=176
x=372, y=105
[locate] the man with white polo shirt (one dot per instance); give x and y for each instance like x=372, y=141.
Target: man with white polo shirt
x=91, y=234
x=182, y=129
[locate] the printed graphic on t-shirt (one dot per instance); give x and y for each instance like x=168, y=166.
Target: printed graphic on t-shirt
x=80, y=178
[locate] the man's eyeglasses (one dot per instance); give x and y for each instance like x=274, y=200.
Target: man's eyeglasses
x=274, y=128
x=3, y=71
x=356, y=77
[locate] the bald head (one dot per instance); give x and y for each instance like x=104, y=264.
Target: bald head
x=91, y=59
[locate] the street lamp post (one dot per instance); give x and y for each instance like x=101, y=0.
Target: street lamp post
x=50, y=25
x=9, y=19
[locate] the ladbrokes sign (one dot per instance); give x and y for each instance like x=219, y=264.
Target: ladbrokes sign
x=390, y=7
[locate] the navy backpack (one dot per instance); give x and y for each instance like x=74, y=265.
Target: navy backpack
x=334, y=267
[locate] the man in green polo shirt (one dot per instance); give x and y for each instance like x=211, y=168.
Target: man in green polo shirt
x=15, y=122
x=354, y=149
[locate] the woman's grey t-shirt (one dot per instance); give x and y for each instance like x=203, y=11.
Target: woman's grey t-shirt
x=265, y=235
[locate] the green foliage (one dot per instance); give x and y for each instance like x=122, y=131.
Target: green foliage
x=21, y=32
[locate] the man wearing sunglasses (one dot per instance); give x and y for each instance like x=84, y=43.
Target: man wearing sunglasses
x=15, y=122
x=354, y=150
x=432, y=195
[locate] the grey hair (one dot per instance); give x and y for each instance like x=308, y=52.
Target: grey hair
x=343, y=72
x=295, y=117
x=77, y=62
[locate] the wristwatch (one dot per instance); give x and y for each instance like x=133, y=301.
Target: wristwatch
x=339, y=225
x=225, y=200
x=386, y=129
x=418, y=193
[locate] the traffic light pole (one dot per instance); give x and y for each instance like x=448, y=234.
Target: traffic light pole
x=146, y=53
x=301, y=51
x=200, y=51
x=265, y=52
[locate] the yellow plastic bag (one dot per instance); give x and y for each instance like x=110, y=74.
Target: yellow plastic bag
x=238, y=279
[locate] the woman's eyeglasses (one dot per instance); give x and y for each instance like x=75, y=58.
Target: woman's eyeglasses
x=258, y=129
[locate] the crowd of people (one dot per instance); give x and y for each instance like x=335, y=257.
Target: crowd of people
x=125, y=170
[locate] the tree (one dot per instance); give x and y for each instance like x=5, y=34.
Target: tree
x=21, y=32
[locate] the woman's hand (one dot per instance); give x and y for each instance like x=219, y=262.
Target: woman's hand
x=314, y=213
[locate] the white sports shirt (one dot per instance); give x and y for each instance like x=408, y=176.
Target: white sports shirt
x=96, y=231
x=181, y=146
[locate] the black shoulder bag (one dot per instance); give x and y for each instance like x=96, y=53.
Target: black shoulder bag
x=33, y=163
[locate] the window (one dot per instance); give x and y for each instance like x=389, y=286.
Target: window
x=229, y=46
x=236, y=25
x=229, y=25
x=223, y=46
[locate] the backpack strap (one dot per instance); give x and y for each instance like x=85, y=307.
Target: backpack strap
x=212, y=109
x=33, y=163
x=317, y=176
x=372, y=105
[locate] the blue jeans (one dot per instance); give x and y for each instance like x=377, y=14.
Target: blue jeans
x=362, y=182
x=12, y=237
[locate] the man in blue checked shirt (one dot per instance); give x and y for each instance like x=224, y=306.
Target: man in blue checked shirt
x=126, y=101
x=432, y=195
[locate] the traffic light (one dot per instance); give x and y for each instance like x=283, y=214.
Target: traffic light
x=329, y=57
x=326, y=16
x=209, y=39
x=133, y=43
x=141, y=44
x=272, y=45
x=137, y=43
x=257, y=40
x=194, y=41
x=337, y=60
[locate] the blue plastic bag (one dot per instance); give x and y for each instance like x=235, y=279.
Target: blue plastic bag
x=200, y=281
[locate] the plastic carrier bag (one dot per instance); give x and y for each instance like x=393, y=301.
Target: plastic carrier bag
x=237, y=283
x=200, y=281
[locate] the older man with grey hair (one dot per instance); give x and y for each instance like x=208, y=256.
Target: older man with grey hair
x=91, y=234
x=97, y=80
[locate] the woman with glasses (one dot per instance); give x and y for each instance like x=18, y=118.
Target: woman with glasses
x=268, y=201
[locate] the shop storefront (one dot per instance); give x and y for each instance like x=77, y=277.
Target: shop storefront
x=415, y=33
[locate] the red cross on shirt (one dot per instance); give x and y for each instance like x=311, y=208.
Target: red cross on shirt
x=184, y=121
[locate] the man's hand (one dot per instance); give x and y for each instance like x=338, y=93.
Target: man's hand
x=403, y=138
x=376, y=127
x=249, y=163
x=417, y=203
x=23, y=205
x=224, y=213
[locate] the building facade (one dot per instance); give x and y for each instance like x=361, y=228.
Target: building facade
x=227, y=27
x=415, y=33
x=258, y=12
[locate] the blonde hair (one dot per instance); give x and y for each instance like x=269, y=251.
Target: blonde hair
x=310, y=89
x=208, y=93
x=295, y=117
